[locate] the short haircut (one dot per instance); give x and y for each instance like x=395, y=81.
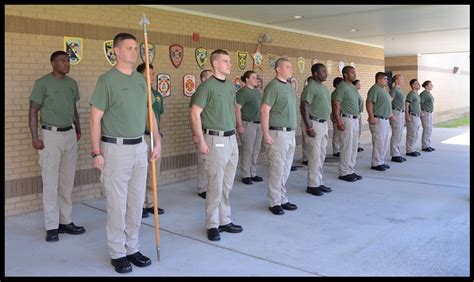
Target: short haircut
x=216, y=53
x=246, y=75
x=426, y=83
x=355, y=81
x=57, y=54
x=315, y=68
x=380, y=75
x=280, y=61
x=412, y=82
x=141, y=68
x=336, y=81
x=345, y=70
x=201, y=76
x=121, y=37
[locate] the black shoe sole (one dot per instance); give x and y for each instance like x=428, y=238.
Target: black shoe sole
x=71, y=233
x=229, y=230
x=123, y=270
x=52, y=239
x=348, y=180
x=214, y=238
x=139, y=264
x=279, y=213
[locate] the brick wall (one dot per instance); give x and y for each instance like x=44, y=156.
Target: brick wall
x=33, y=32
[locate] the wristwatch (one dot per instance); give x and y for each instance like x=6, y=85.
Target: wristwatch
x=93, y=155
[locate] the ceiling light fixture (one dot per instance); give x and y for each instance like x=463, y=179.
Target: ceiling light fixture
x=354, y=30
x=297, y=17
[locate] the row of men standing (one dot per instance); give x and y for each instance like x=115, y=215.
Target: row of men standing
x=119, y=147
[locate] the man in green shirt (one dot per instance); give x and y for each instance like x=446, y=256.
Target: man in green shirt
x=200, y=173
x=55, y=96
x=278, y=120
x=379, y=108
x=158, y=109
x=247, y=113
x=315, y=107
x=336, y=133
x=398, y=122
x=213, y=122
x=361, y=109
x=118, y=118
x=426, y=103
x=412, y=116
x=345, y=107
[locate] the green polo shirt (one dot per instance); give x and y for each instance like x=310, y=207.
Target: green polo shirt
x=123, y=99
x=414, y=102
x=57, y=98
x=217, y=99
x=398, y=101
x=318, y=97
x=250, y=100
x=281, y=97
x=348, y=97
x=382, y=105
x=426, y=101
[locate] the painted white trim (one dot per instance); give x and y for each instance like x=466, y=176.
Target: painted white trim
x=163, y=7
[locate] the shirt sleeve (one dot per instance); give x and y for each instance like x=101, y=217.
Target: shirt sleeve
x=76, y=89
x=269, y=96
x=306, y=96
x=38, y=93
x=100, y=97
x=372, y=96
x=240, y=98
x=202, y=95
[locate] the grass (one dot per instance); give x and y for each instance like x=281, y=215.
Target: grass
x=464, y=121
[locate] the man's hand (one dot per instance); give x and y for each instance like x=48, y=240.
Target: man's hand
x=99, y=163
x=240, y=129
x=341, y=126
x=408, y=118
x=156, y=154
x=78, y=134
x=38, y=144
x=393, y=118
x=310, y=131
x=372, y=120
x=203, y=148
x=267, y=139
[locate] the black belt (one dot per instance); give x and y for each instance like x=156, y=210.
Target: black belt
x=400, y=110
x=349, y=116
x=281, y=128
x=219, y=133
x=47, y=127
x=415, y=115
x=251, y=121
x=317, y=119
x=124, y=141
x=380, y=117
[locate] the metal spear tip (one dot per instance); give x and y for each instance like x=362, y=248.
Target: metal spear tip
x=144, y=20
x=158, y=253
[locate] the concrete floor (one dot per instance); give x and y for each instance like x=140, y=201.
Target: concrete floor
x=412, y=220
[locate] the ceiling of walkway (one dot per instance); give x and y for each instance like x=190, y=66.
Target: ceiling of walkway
x=399, y=29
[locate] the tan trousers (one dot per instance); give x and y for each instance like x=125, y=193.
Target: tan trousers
x=280, y=156
x=349, y=142
x=336, y=139
x=58, y=161
x=251, y=142
x=201, y=173
x=380, y=140
x=317, y=153
x=427, y=124
x=149, y=180
x=124, y=179
x=303, y=142
x=360, y=128
x=220, y=166
x=397, y=132
x=412, y=133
